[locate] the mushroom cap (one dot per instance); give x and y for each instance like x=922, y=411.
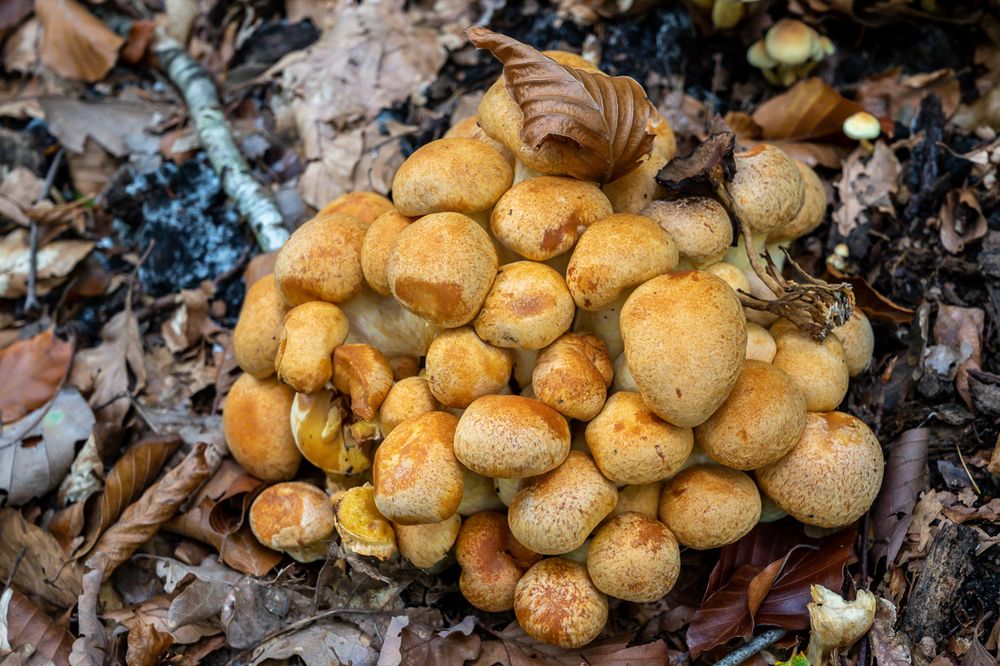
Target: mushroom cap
x=362, y=529
x=451, y=175
x=426, y=545
x=790, y=42
x=812, y=212
x=478, y=494
x=362, y=372
x=709, y=506
x=441, y=268
x=556, y=602
x=508, y=436
x=605, y=324
x=366, y=206
x=291, y=517
x=255, y=338
x=758, y=56
x=699, y=226
x=407, y=398
x=461, y=367
x=492, y=561
x=309, y=334
x=818, y=368
x=767, y=189
x=862, y=125
x=732, y=275
x=377, y=245
x=321, y=261
x=685, y=342
x=256, y=424
x=644, y=499
x=727, y=13
x=634, y=557
x=638, y=188
x=528, y=307
x=572, y=375
x=468, y=128
x=555, y=513
x=631, y=444
x=858, y=339
x=831, y=476
x=383, y=323
x=617, y=253
x=542, y=217
x=758, y=423
x=760, y=344
x=317, y=421
x=416, y=475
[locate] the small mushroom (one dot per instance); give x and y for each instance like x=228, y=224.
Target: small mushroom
x=644, y=499
x=731, y=275
x=366, y=206
x=810, y=215
x=257, y=428
x=767, y=190
x=478, y=493
x=556, y=602
x=709, y=506
x=760, y=344
x=255, y=338
x=309, y=334
x=527, y=307
x=407, y=398
x=363, y=530
x=468, y=128
x=699, y=226
x=634, y=557
x=295, y=518
x=318, y=421
x=363, y=373
x=461, y=367
x=321, y=261
x=862, y=126
x=492, y=561
x=376, y=247
x=727, y=14
x=835, y=623
x=818, y=368
x=426, y=546
x=638, y=188
x=858, y=340
x=572, y=375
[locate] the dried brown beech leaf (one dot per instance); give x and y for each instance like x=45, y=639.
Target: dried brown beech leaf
x=905, y=477
x=811, y=109
x=605, y=116
x=41, y=571
x=23, y=623
x=75, y=43
x=40, y=365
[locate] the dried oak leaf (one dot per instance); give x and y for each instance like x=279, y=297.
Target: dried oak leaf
x=605, y=117
x=23, y=623
x=40, y=365
x=905, y=477
x=868, y=182
x=75, y=43
x=42, y=571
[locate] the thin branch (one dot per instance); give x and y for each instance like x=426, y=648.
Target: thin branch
x=31, y=304
x=740, y=655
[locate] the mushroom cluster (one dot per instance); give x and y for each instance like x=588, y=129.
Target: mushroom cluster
x=789, y=51
x=551, y=382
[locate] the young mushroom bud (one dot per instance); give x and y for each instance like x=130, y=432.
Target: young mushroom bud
x=862, y=126
x=818, y=368
x=508, y=436
x=461, y=367
x=858, y=341
x=758, y=423
x=790, y=42
x=257, y=428
x=554, y=513
x=644, y=499
x=631, y=444
x=727, y=13
x=760, y=344
x=528, y=307
x=295, y=518
x=362, y=529
x=617, y=253
x=255, y=338
x=556, y=602
x=318, y=423
x=478, y=493
x=363, y=373
x=542, y=217
x=699, y=226
x=309, y=335
x=416, y=475
x=377, y=245
x=366, y=206
x=426, y=546
x=812, y=212
x=832, y=474
x=685, y=342
x=407, y=398
x=441, y=268
x=321, y=261
x=572, y=375
x=730, y=274
x=492, y=561
x=634, y=557
x=709, y=506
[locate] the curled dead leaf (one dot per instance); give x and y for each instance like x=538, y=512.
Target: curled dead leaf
x=873, y=303
x=146, y=644
x=961, y=220
x=40, y=364
x=23, y=623
x=75, y=43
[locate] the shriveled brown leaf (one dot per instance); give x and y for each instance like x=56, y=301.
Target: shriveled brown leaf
x=191, y=322
x=140, y=36
x=20, y=189
x=960, y=514
x=155, y=612
x=961, y=329
x=888, y=648
x=109, y=122
x=700, y=173
x=961, y=220
x=868, y=182
x=513, y=647
x=43, y=570
x=40, y=365
x=604, y=116
x=897, y=96
x=146, y=644
x=85, y=477
x=75, y=43
x=619, y=654
x=103, y=371
x=873, y=303
x=55, y=260
x=23, y=623
x=905, y=477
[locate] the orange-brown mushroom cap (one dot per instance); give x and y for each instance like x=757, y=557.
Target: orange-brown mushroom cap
x=556, y=602
x=492, y=561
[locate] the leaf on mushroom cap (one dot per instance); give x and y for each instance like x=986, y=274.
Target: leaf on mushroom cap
x=701, y=172
x=606, y=116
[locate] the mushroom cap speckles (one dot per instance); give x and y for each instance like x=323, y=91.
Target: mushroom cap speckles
x=556, y=602
x=709, y=506
x=634, y=557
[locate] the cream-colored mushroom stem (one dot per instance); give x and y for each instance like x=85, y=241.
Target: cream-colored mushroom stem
x=253, y=200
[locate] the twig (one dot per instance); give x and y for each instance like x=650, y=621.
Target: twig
x=13, y=569
x=31, y=305
x=740, y=655
x=253, y=200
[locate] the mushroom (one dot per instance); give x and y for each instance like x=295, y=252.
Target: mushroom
x=441, y=268
x=492, y=561
x=730, y=274
x=321, y=261
x=416, y=475
x=362, y=529
x=862, y=126
x=685, y=342
x=478, y=494
x=255, y=338
x=767, y=190
x=295, y=518
x=318, y=421
x=363, y=373
x=556, y=602
x=451, y=175
x=508, y=436
x=461, y=367
x=407, y=398
x=789, y=51
x=760, y=344
x=309, y=334
x=468, y=128
x=542, y=217
x=818, y=368
x=832, y=474
x=727, y=13
x=257, y=428
x=555, y=512
x=619, y=252
x=638, y=188
x=698, y=225
x=376, y=247
x=427, y=546
x=527, y=307
x=366, y=206
x=644, y=499
x=634, y=557
x=835, y=623
x=810, y=215
x=630, y=444
x=606, y=324
x=709, y=506
x=572, y=375
x=858, y=340
x=380, y=321
x=758, y=423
